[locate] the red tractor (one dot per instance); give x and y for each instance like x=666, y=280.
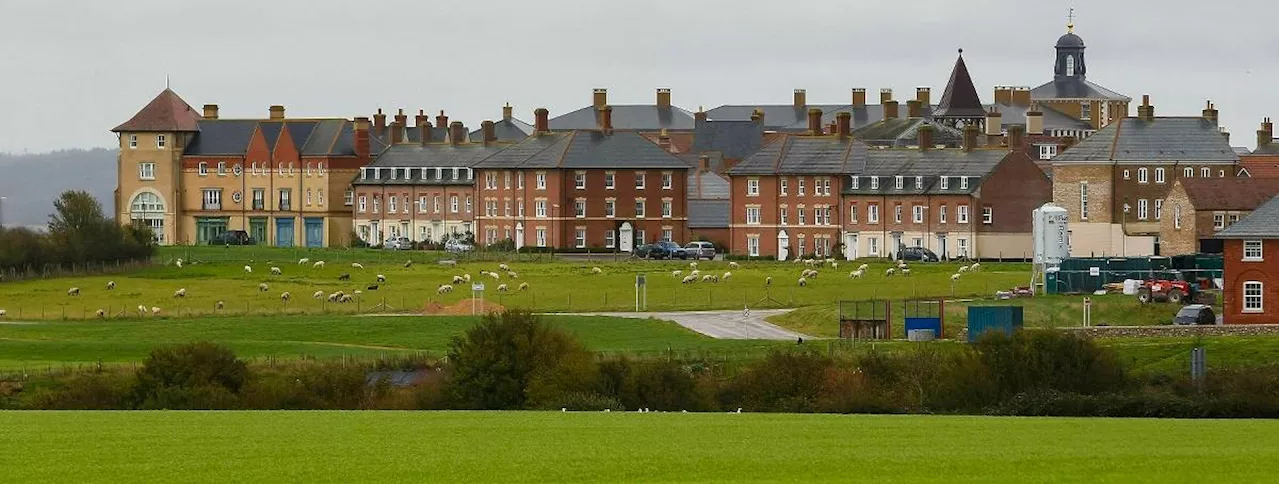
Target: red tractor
x=1177, y=292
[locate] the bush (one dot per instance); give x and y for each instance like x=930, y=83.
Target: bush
x=504, y=245
x=190, y=376
x=655, y=384
x=1048, y=360
x=91, y=391
x=782, y=382
x=356, y=241
x=514, y=360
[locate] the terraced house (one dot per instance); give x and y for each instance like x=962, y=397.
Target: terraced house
x=191, y=175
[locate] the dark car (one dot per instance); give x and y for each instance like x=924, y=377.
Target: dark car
x=1195, y=314
x=232, y=237
x=661, y=250
x=917, y=254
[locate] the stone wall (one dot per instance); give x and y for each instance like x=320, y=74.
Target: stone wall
x=1165, y=331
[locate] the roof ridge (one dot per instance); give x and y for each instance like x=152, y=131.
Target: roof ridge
x=1115, y=141
x=337, y=134
x=567, y=144
x=782, y=152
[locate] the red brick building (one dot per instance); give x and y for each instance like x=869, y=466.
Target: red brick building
x=1250, y=271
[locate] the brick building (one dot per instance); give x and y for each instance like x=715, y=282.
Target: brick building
x=1250, y=274
x=1196, y=208
x=1264, y=160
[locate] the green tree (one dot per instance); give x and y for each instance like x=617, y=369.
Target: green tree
x=515, y=360
x=190, y=376
x=78, y=228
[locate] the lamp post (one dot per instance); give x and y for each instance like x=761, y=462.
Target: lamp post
x=2, y=199
x=1124, y=239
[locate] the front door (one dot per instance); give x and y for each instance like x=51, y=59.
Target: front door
x=784, y=241
x=942, y=247
x=258, y=229
x=209, y=227
x=896, y=250
x=625, y=240
x=314, y=231
x=519, y=235
x=850, y=246
x=284, y=232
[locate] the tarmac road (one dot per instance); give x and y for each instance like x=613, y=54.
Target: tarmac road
x=722, y=324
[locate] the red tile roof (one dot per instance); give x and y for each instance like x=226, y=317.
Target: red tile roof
x=1229, y=193
x=167, y=112
x=1261, y=166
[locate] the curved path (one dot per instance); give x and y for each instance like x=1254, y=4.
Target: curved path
x=722, y=324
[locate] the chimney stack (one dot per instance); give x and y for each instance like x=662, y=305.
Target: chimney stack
x=1146, y=111
x=506, y=111
x=420, y=118
x=970, y=137
x=704, y=163
x=913, y=108
x=210, y=111
x=1021, y=96
x=456, y=133
x=599, y=97
x=360, y=132
x=843, y=119
x=1016, y=136
x=486, y=128
x=1210, y=113
x=664, y=140
x=425, y=127
x=401, y=118
x=922, y=95
x=380, y=122
x=277, y=112
x=540, y=125
x=397, y=133
x=1225, y=134
x=992, y=124
x=664, y=98
x=442, y=120
x=890, y=109
x=606, y=119
x=886, y=95
x=1035, y=121
x=924, y=136
x=1265, y=133
x=859, y=97
x=815, y=121
x=797, y=99
x=757, y=116
x=700, y=116
x=1004, y=95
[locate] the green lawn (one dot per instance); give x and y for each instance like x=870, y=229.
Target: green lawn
x=213, y=274
x=624, y=447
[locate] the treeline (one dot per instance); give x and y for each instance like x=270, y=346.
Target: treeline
x=79, y=234
x=513, y=361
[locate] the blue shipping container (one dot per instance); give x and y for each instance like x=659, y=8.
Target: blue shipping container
x=1004, y=319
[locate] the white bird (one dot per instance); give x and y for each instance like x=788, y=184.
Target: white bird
x=303, y=260
x=248, y=269
x=597, y=270
x=284, y=296
x=275, y=271
x=318, y=294
x=180, y=292
x=733, y=265
x=356, y=265
x=111, y=285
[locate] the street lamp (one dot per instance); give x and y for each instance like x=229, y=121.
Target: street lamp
x=1124, y=220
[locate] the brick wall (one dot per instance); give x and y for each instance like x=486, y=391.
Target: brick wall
x=1236, y=272
x=1066, y=191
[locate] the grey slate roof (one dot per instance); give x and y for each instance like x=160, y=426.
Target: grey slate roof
x=799, y=155
x=413, y=176
x=959, y=99
x=323, y=137
x=435, y=154
x=1017, y=115
x=708, y=214
x=584, y=149
x=626, y=117
x=300, y=131
x=221, y=137
x=929, y=165
x=1161, y=139
x=1075, y=88
x=902, y=132
x=1268, y=149
x=505, y=130
x=706, y=185
x=541, y=151
x=1263, y=223
x=732, y=139
x=786, y=118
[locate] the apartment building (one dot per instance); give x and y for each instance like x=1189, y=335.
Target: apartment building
x=1250, y=272
x=1197, y=208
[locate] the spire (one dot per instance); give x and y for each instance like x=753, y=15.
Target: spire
x=960, y=99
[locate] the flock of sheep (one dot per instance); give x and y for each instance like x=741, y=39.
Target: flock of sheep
x=496, y=275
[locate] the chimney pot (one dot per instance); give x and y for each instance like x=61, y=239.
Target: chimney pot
x=798, y=98
x=277, y=112
x=401, y=118
x=1210, y=113
x=506, y=111
x=859, y=97
x=210, y=111
x=606, y=119
x=815, y=121
x=924, y=136
x=457, y=133
x=886, y=95
x=704, y=163
x=922, y=95
x=1004, y=95
x=599, y=97
x=486, y=128
x=540, y=124
x=1265, y=133
x=380, y=122
x=890, y=109
x=425, y=127
x=1021, y=96
x=700, y=116
x=664, y=97
x=1035, y=120
x=843, y=120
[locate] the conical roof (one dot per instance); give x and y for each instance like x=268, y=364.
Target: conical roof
x=167, y=112
x=960, y=99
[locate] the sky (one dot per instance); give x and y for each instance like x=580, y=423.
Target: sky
x=75, y=69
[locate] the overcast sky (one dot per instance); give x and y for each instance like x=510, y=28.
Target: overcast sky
x=73, y=70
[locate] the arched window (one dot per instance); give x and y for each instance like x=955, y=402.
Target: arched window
x=147, y=209
x=1071, y=65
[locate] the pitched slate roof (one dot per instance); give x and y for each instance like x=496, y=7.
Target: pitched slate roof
x=230, y=137
x=221, y=137
x=435, y=154
x=1161, y=139
x=1075, y=88
x=959, y=99
x=709, y=214
x=1268, y=149
x=787, y=118
x=505, y=130
x=1050, y=118
x=706, y=185
x=930, y=166
x=625, y=117
x=903, y=132
x=584, y=149
x=1263, y=223
x=413, y=176
x=733, y=139
x=166, y=112
x=323, y=138
x=800, y=155
x=1228, y=193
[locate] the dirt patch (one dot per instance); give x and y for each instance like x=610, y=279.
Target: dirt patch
x=463, y=307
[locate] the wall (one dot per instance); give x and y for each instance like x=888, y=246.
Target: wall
x=1178, y=239
x=1236, y=272
x=1066, y=191
x=166, y=183
x=1106, y=239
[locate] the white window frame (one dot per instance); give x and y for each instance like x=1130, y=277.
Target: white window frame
x=1047, y=152
x=897, y=213
x=1085, y=110
x=1251, y=297
x=853, y=213
x=1159, y=208
x=799, y=187
x=610, y=239
x=580, y=208
x=453, y=204
x=1142, y=209
x=610, y=208
x=1205, y=172
x=964, y=183
x=753, y=215
x=211, y=196
x=782, y=186
x=666, y=208
x=853, y=182
x=348, y=196
x=753, y=187
x=753, y=245
x=1219, y=221
x=1084, y=200
x=944, y=183
x=667, y=180
x=1159, y=175
x=161, y=141
x=540, y=182
x=133, y=141
x=826, y=186
x=506, y=180
x=202, y=169
x=875, y=183
x=608, y=180
x=1124, y=174
x=540, y=208
x=147, y=170
x=640, y=180
x=942, y=214
x=1252, y=251
x=640, y=208
x=988, y=215
x=377, y=204
x=873, y=246
x=580, y=180
x=1188, y=172
x=962, y=214
x=580, y=238
x=1177, y=217
x=917, y=214
x=897, y=182
x=800, y=215
x=919, y=182
x=1142, y=175
x=540, y=237
x=468, y=203
x=873, y=213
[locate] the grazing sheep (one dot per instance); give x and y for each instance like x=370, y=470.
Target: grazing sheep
x=733, y=265
x=689, y=279
x=318, y=265
x=357, y=265
x=709, y=278
x=458, y=280
x=75, y=291
x=726, y=275
x=372, y=287
x=444, y=288
x=180, y=292
x=356, y=292
x=862, y=267
x=467, y=277
x=155, y=311
x=695, y=273
x=303, y=261
x=597, y=270
x=906, y=272
x=955, y=277
x=3, y=313
x=676, y=273
x=219, y=305
x=344, y=276
x=335, y=296
x=408, y=264
x=512, y=274
x=100, y=313
x=797, y=260
x=248, y=269
x=142, y=310
x=177, y=263
x=963, y=269
x=502, y=288
x=524, y=286
x=975, y=267
x=495, y=276
x=263, y=287
x=902, y=264
x=284, y=296
x=503, y=267
x=111, y=285
x=855, y=274
x=803, y=282
x=693, y=265
x=382, y=278
x=318, y=295
x=275, y=271
x=768, y=281
x=889, y=272
x=346, y=298
x=830, y=260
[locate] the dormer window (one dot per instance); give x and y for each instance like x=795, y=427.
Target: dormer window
x=364, y=172
x=393, y=177
x=1084, y=111
x=875, y=183
x=439, y=175
x=424, y=173
x=944, y=181
x=964, y=183
x=1071, y=65
x=470, y=174
x=853, y=182
x=897, y=182
x=377, y=173
x=919, y=182
x=455, y=173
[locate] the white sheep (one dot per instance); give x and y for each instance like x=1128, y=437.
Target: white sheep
x=862, y=267
x=708, y=278
x=142, y=310
x=100, y=313
x=248, y=269
x=408, y=264
x=382, y=278
x=263, y=287
x=275, y=271
x=318, y=265
x=689, y=279
x=955, y=277
x=693, y=265
x=889, y=272
x=835, y=265
x=318, y=295
x=726, y=275
x=335, y=296
x=303, y=261
x=733, y=265
x=219, y=306
x=906, y=272
x=458, y=280
x=155, y=311
x=111, y=285
x=356, y=265
x=467, y=277
x=797, y=260
x=524, y=286
x=177, y=263
x=284, y=296
x=855, y=274
x=495, y=276
x=695, y=273
x=346, y=298
x=512, y=274
x=963, y=269
x=597, y=270
x=75, y=291
x=504, y=267
x=357, y=292
x=975, y=267
x=676, y=273
x=502, y=288
x=444, y=288
x=902, y=264
x=803, y=282
x=768, y=281
x=830, y=260
x=180, y=292
x=3, y=313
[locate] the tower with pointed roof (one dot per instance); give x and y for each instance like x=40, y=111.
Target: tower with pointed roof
x=960, y=105
x=149, y=165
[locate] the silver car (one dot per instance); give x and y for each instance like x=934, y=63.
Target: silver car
x=398, y=243
x=700, y=250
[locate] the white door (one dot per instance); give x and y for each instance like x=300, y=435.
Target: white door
x=625, y=237
x=519, y=235
x=942, y=246
x=784, y=243
x=850, y=246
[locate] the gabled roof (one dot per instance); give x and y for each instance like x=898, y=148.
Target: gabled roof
x=1228, y=193
x=1075, y=88
x=800, y=155
x=1261, y=165
x=1263, y=223
x=313, y=137
x=1011, y=114
x=413, y=176
x=902, y=132
x=787, y=118
x=505, y=130
x=584, y=149
x=221, y=137
x=435, y=154
x=167, y=112
x=1160, y=139
x=959, y=99
x=930, y=166
x=733, y=139
x=625, y=117
x=706, y=185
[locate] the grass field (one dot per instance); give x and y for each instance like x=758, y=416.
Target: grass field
x=624, y=447
x=218, y=275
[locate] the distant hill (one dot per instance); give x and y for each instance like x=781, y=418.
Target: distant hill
x=30, y=182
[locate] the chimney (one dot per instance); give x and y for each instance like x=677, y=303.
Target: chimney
x=886, y=95
x=599, y=97
x=540, y=125
x=664, y=98
x=397, y=132
x=1225, y=134
x=486, y=128
x=361, y=134
x=456, y=133
x=1265, y=133
x=425, y=127
x=1210, y=113
x=1004, y=95
x=757, y=116
x=210, y=111
x=606, y=119
x=1021, y=96
x=842, y=124
x=380, y=122
x=890, y=109
x=922, y=95
x=1146, y=111
x=506, y=111
x=859, y=97
x=401, y=118
x=1035, y=121
x=664, y=140
x=441, y=119
x=704, y=163
x=277, y=112
x=797, y=98
x=420, y=118
x=1016, y=136
x=970, y=137
x=924, y=135
x=815, y=121
x=993, y=122
x=913, y=108
x=700, y=116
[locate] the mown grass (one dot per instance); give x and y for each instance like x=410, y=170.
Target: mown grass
x=624, y=447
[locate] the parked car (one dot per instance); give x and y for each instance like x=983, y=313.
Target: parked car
x=661, y=250
x=700, y=250
x=398, y=243
x=1195, y=314
x=920, y=254
x=457, y=245
x=232, y=237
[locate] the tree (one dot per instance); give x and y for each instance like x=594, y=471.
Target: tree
x=190, y=376
x=79, y=229
x=514, y=360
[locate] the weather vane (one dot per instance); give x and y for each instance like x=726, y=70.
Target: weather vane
x=1071, y=19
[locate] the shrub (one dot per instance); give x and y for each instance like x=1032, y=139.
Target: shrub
x=782, y=382
x=1047, y=359
x=514, y=360
x=90, y=391
x=189, y=376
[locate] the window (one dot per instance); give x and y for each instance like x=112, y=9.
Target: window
x=133, y=141
x=942, y=214
x=800, y=186
x=853, y=182
x=520, y=208
x=506, y=207
x=147, y=210
x=800, y=216
x=1071, y=65
x=490, y=180
x=1159, y=175
x=1177, y=217
x=1253, y=250
x=1205, y=172
x=580, y=238
x=640, y=238
x=919, y=182
x=1142, y=209
x=1085, y=115
x=1233, y=218
x=666, y=181
x=817, y=216
x=964, y=183
x=422, y=204
x=897, y=182
x=391, y=204
x=468, y=203
x=666, y=208
x=875, y=183
x=640, y=180
x=753, y=215
x=962, y=214
x=1048, y=151
x=1125, y=174
x=639, y=208
x=987, y=215
x=506, y=180
x=360, y=207
x=1222, y=173
x=435, y=203
x=782, y=187
x=1188, y=172
x=609, y=208
x=377, y=204
x=1142, y=175
x=580, y=208
x=202, y=168
x=753, y=187
x=897, y=214
x=1084, y=201
x=285, y=197
x=490, y=208
x=147, y=171
x=520, y=180
x=1252, y=297
x=753, y=245
x=541, y=237
x=608, y=180
x=873, y=246
x=873, y=214
x=610, y=239
x=826, y=186
x=212, y=199
x=782, y=215
x=540, y=208
x=853, y=213
x=917, y=214
x=1159, y=208
x=580, y=180
x=962, y=247
x=541, y=181
x=1219, y=221
x=666, y=235
x=453, y=204
x=160, y=141
x=944, y=182
x=800, y=246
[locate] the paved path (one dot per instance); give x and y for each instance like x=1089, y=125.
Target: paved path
x=722, y=324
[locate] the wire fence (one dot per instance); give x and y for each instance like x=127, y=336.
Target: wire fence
x=51, y=271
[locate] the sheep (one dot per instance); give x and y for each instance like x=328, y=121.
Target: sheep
x=975, y=267
x=284, y=296
x=733, y=265
x=372, y=287
x=689, y=279
x=335, y=296
x=707, y=278
x=318, y=265
x=357, y=265
x=275, y=271
x=219, y=306
x=303, y=261
x=803, y=282
x=503, y=267
x=346, y=298
x=177, y=263
x=676, y=273
x=382, y=278
x=889, y=272
x=467, y=277
x=100, y=313
x=3, y=313
x=155, y=311
x=75, y=291
x=835, y=265
x=695, y=273
x=458, y=280
x=693, y=265
x=963, y=269
x=180, y=292
x=797, y=260
x=726, y=275
x=597, y=270
x=408, y=264
x=524, y=286
x=263, y=287
x=906, y=272
x=318, y=295
x=855, y=274
x=111, y=285
x=444, y=288
x=768, y=281
x=512, y=274
x=830, y=260
x=495, y=276
x=345, y=276
x=955, y=277
x=862, y=267
x=248, y=269
x=502, y=288
x=142, y=310
x=902, y=264
x=357, y=292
